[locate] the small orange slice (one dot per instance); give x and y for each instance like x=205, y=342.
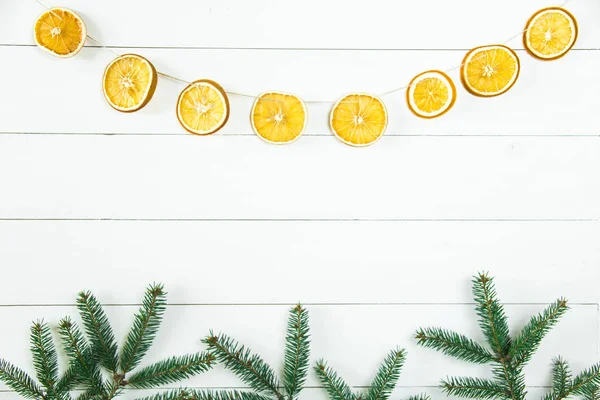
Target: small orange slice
x=358, y=119
x=489, y=71
x=278, y=117
x=129, y=82
x=431, y=94
x=60, y=32
x=203, y=107
x=550, y=33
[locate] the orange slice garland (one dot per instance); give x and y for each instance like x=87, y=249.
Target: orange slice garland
x=359, y=119
x=203, y=107
x=129, y=82
x=550, y=33
x=431, y=94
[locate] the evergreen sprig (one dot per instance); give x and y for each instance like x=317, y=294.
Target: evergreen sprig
x=381, y=387
x=188, y=394
x=45, y=362
x=257, y=373
x=97, y=349
x=507, y=356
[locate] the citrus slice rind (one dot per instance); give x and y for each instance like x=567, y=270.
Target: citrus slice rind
x=60, y=32
x=278, y=118
x=129, y=82
x=431, y=94
x=358, y=119
x=490, y=71
x=203, y=107
x=550, y=33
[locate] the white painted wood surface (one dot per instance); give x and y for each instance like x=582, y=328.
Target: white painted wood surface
x=376, y=241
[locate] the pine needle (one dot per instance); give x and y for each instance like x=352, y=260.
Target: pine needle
x=45, y=358
x=534, y=332
x=454, y=344
x=145, y=326
x=297, y=352
x=387, y=376
x=188, y=394
x=171, y=370
x=98, y=330
x=474, y=388
x=335, y=386
x=19, y=381
x=240, y=360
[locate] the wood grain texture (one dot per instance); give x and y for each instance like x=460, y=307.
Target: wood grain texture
x=288, y=261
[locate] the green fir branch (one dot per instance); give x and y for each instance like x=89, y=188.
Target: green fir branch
x=297, y=352
x=494, y=325
x=188, y=394
x=474, y=388
x=454, y=345
x=492, y=319
x=19, y=381
x=171, y=370
x=249, y=367
x=45, y=358
x=145, y=326
x=420, y=396
x=98, y=330
x=586, y=382
x=532, y=334
x=561, y=379
x=335, y=386
x=81, y=359
x=387, y=376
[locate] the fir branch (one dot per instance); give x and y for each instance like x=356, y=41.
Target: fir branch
x=335, y=386
x=145, y=326
x=454, y=344
x=98, y=330
x=561, y=379
x=532, y=334
x=188, y=394
x=474, y=388
x=171, y=370
x=80, y=355
x=494, y=325
x=421, y=396
x=297, y=352
x=19, y=381
x=249, y=367
x=492, y=319
x=45, y=358
x=387, y=376
x=586, y=382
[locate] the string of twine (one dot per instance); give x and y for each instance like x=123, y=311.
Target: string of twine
x=254, y=97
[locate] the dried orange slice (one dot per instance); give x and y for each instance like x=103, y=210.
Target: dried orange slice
x=60, y=32
x=550, y=33
x=278, y=117
x=489, y=71
x=358, y=119
x=203, y=107
x=129, y=82
x=431, y=94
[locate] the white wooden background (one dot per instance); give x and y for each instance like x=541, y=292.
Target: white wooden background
x=376, y=241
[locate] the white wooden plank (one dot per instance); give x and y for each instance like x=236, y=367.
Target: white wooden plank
x=312, y=23
x=64, y=96
x=284, y=262
x=188, y=177
x=354, y=339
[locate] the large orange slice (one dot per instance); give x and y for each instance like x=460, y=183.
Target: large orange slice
x=129, y=82
x=358, y=119
x=489, y=71
x=278, y=117
x=550, y=33
x=60, y=32
x=431, y=94
x=203, y=107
